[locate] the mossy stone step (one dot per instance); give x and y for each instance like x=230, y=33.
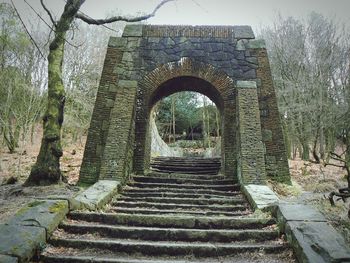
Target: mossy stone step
x=158, y=248
x=161, y=190
x=108, y=257
x=153, y=179
x=198, y=222
x=186, y=176
x=199, y=212
x=174, y=206
x=229, y=187
x=170, y=234
x=192, y=201
x=138, y=194
x=194, y=172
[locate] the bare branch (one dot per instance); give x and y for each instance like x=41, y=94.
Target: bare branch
x=25, y=28
x=335, y=165
x=337, y=157
x=48, y=12
x=92, y=21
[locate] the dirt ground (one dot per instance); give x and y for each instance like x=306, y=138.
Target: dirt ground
x=311, y=182
x=17, y=167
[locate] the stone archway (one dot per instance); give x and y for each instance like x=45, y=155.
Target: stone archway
x=148, y=62
x=187, y=75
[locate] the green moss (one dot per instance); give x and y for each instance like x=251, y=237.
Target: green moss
x=35, y=203
x=29, y=206
x=58, y=207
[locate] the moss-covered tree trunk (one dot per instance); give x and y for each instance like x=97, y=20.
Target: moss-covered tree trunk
x=47, y=167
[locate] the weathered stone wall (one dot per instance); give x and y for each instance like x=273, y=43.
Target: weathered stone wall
x=96, y=139
x=162, y=60
x=250, y=157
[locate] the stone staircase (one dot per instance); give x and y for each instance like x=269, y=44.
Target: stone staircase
x=183, y=211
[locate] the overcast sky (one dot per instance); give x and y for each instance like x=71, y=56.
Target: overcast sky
x=256, y=13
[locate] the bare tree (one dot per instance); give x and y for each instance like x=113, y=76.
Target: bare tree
x=47, y=167
x=307, y=61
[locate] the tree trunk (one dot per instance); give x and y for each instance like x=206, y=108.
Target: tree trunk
x=305, y=152
x=47, y=167
x=217, y=123
x=173, y=116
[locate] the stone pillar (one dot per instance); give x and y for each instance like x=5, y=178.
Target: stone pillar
x=250, y=158
x=229, y=146
x=118, y=152
x=276, y=160
x=97, y=134
x=122, y=62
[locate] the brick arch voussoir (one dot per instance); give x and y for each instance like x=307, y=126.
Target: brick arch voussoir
x=188, y=67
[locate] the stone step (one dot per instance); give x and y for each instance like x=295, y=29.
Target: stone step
x=177, y=200
x=139, y=194
x=186, y=159
x=184, y=166
x=179, y=190
x=159, y=248
x=225, y=208
x=153, y=179
x=187, y=176
x=200, y=212
x=175, y=221
x=85, y=256
x=164, y=234
x=188, y=171
x=230, y=187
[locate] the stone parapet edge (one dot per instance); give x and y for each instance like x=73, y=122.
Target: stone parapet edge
x=311, y=237
x=38, y=219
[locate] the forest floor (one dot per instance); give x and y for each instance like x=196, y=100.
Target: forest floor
x=311, y=182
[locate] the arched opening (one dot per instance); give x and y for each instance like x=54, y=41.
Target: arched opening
x=185, y=124
x=189, y=84
x=186, y=75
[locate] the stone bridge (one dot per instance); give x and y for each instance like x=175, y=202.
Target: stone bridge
x=149, y=62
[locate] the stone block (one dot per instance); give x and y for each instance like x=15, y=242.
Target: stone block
x=243, y=32
x=316, y=242
x=256, y=44
x=127, y=57
x=117, y=42
x=21, y=241
x=132, y=30
x=109, y=103
x=266, y=135
x=127, y=83
x=243, y=84
x=44, y=213
x=299, y=212
x=240, y=45
x=8, y=259
x=261, y=197
x=96, y=195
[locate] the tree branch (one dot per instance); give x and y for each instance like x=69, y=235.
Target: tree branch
x=48, y=12
x=25, y=28
x=92, y=21
x=337, y=157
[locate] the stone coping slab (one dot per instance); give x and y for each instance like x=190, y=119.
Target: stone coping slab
x=20, y=241
x=312, y=238
x=27, y=231
x=8, y=259
x=317, y=242
x=96, y=195
x=261, y=197
x=41, y=213
x=24, y=233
